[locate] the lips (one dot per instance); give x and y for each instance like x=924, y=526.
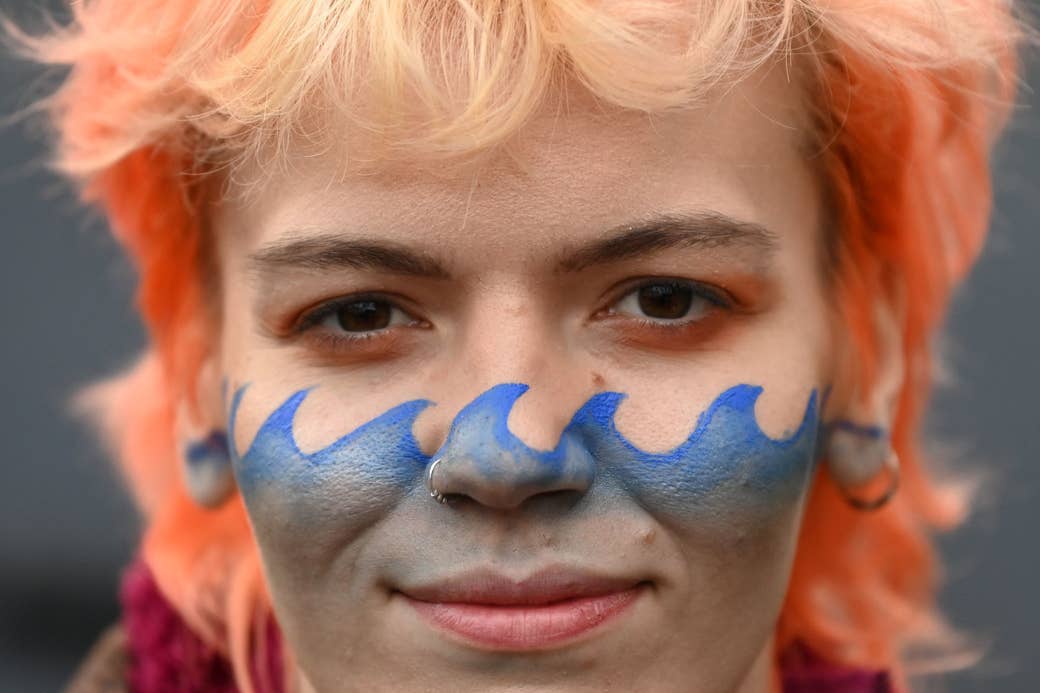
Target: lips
x=547, y=609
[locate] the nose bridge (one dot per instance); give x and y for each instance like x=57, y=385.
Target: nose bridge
x=509, y=336
x=483, y=460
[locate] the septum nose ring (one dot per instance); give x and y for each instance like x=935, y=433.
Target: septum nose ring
x=434, y=493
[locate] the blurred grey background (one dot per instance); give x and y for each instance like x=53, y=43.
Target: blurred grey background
x=66, y=527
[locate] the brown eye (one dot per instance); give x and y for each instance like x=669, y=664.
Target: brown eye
x=364, y=316
x=668, y=301
x=665, y=301
x=357, y=316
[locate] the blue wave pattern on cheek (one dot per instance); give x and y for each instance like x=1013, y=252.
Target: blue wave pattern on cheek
x=727, y=458
x=384, y=449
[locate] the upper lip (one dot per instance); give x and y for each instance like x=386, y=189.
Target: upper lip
x=545, y=586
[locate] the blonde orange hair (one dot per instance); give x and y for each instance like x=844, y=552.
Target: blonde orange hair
x=166, y=98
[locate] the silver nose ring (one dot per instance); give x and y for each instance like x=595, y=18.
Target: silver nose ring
x=434, y=493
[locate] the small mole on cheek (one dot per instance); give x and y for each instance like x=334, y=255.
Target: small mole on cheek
x=649, y=536
x=597, y=379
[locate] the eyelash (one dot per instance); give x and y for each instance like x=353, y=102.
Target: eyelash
x=313, y=319
x=310, y=323
x=715, y=297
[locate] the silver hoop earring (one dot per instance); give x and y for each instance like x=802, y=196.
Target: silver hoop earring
x=891, y=468
x=434, y=493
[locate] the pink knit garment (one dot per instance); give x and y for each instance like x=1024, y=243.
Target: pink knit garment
x=167, y=657
x=804, y=672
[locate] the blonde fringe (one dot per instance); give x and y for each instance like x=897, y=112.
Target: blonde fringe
x=238, y=81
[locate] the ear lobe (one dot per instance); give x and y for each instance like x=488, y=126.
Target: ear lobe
x=857, y=430
x=206, y=469
x=203, y=440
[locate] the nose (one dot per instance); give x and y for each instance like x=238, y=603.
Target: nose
x=482, y=460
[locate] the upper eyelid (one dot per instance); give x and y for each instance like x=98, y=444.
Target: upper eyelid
x=313, y=317
x=709, y=292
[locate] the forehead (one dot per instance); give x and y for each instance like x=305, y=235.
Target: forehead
x=580, y=164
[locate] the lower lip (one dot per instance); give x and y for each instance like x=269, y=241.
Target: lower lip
x=523, y=627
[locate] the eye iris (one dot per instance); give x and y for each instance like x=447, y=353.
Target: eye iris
x=665, y=301
x=364, y=316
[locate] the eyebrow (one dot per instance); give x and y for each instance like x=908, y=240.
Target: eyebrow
x=627, y=241
x=329, y=252
x=673, y=230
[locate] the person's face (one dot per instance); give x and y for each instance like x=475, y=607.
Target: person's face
x=622, y=511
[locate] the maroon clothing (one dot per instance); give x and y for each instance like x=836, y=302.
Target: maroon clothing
x=156, y=652
x=806, y=673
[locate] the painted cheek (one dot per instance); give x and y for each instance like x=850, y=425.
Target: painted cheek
x=727, y=473
x=329, y=495
x=726, y=470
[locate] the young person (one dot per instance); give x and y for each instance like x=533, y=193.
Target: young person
x=557, y=345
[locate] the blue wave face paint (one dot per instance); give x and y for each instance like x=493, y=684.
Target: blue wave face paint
x=357, y=474
x=711, y=523
x=726, y=464
x=726, y=460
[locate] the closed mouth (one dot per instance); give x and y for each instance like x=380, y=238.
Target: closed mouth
x=548, y=609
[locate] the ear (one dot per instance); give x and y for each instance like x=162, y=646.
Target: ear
x=857, y=424
x=203, y=440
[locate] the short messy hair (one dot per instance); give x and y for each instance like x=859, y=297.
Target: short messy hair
x=166, y=98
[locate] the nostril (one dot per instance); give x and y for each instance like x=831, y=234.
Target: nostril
x=502, y=482
x=561, y=499
x=564, y=499
x=483, y=461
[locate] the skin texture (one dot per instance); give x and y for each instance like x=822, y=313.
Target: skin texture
x=516, y=317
